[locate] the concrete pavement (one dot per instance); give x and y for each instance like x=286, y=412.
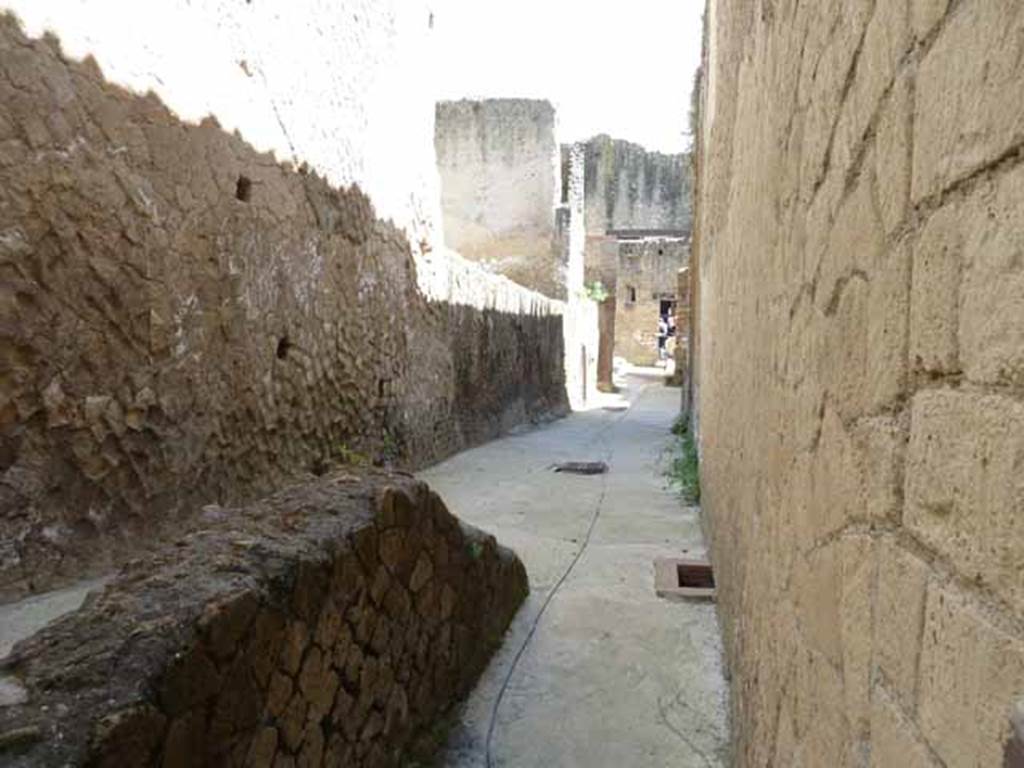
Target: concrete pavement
x=611, y=675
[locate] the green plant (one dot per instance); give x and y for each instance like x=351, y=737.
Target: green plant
x=389, y=447
x=684, y=470
x=346, y=455
x=597, y=291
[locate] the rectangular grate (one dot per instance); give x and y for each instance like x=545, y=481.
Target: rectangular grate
x=582, y=467
x=678, y=577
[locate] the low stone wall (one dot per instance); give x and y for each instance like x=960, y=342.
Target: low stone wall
x=186, y=321
x=331, y=624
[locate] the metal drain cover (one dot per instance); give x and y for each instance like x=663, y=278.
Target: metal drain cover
x=582, y=467
x=675, y=577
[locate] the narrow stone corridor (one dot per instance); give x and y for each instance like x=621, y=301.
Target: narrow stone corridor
x=612, y=675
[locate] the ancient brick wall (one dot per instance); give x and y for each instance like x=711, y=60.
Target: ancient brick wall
x=861, y=327
x=499, y=167
x=333, y=623
x=185, y=320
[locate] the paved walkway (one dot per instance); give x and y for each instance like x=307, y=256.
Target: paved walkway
x=612, y=675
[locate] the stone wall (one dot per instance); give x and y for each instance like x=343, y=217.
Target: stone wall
x=861, y=301
x=185, y=320
x=648, y=274
x=499, y=167
x=333, y=623
x=629, y=187
x=248, y=65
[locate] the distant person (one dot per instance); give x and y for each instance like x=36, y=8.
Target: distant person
x=662, y=337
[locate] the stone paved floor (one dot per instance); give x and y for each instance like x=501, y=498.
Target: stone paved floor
x=612, y=676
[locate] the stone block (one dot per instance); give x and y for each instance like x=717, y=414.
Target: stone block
x=964, y=488
x=925, y=14
x=296, y=638
x=974, y=70
x=894, y=739
x=935, y=294
x=859, y=575
x=902, y=581
x=892, y=154
x=971, y=676
x=991, y=327
x=311, y=677
x=886, y=40
x=312, y=752
x=968, y=293
x=862, y=291
x=887, y=308
x=278, y=694
x=817, y=582
x=262, y=749
x=880, y=442
x=822, y=729
x=226, y=623
x=292, y=724
x=831, y=490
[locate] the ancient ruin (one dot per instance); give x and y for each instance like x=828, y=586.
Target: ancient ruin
x=314, y=450
x=192, y=321
x=638, y=212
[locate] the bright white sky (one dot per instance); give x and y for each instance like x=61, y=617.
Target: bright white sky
x=621, y=67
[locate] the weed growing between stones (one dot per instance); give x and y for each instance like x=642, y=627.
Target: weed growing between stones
x=683, y=471
x=347, y=455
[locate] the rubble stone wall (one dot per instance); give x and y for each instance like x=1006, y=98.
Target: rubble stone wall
x=861, y=358
x=333, y=623
x=184, y=320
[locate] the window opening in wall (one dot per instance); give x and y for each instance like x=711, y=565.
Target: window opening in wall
x=631, y=294
x=283, y=345
x=243, y=189
x=565, y=179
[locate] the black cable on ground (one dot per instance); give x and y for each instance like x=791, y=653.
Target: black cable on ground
x=554, y=590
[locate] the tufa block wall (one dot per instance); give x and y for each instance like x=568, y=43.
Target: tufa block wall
x=333, y=623
x=861, y=361
x=185, y=321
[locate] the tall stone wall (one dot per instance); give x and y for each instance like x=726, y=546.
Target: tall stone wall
x=626, y=188
x=860, y=366
x=629, y=187
x=186, y=320
x=498, y=163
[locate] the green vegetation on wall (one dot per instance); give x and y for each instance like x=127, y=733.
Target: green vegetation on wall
x=684, y=470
